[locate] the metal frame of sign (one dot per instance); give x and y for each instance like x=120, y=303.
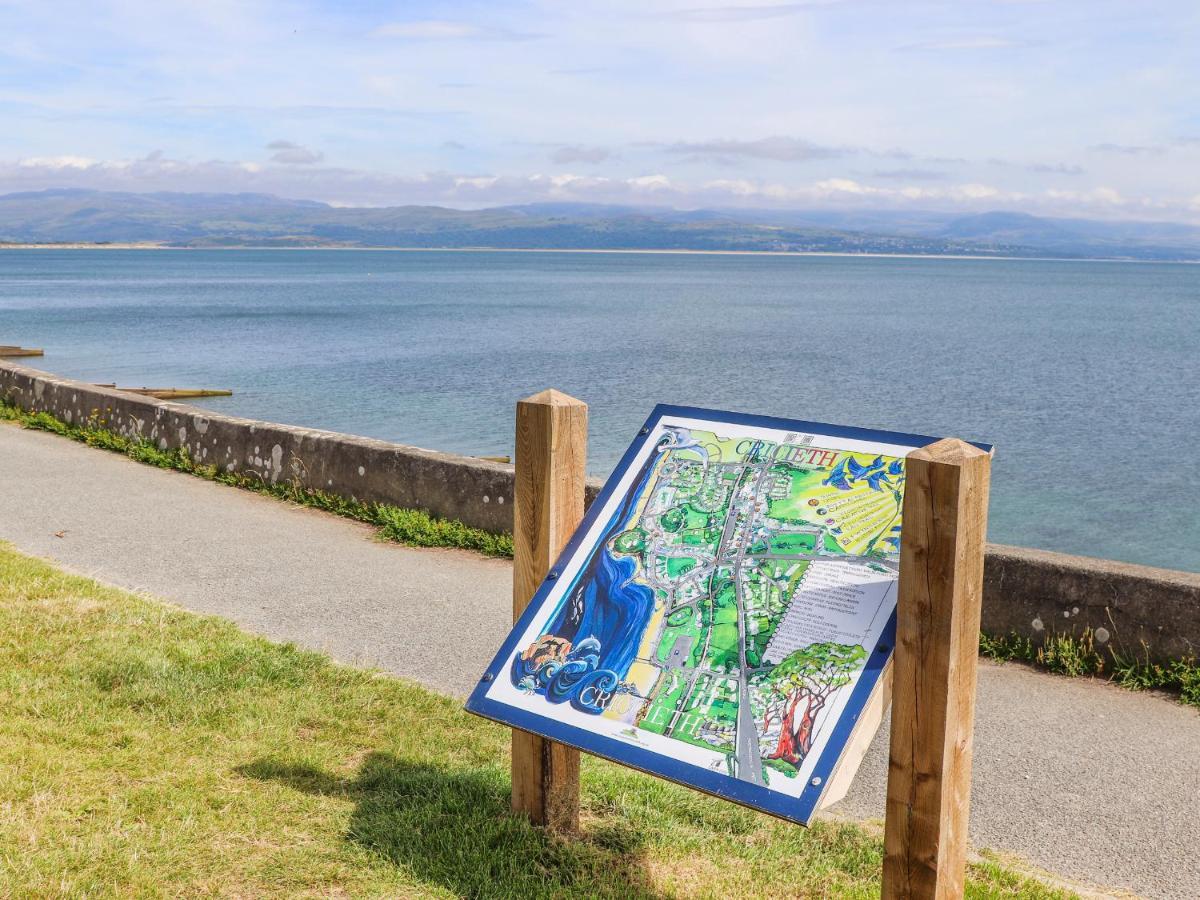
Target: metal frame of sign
x=796, y=809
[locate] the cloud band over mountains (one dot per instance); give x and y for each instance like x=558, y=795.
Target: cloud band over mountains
x=349, y=187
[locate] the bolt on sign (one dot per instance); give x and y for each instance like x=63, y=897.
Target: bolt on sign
x=725, y=614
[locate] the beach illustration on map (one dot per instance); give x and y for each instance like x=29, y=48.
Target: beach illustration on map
x=730, y=599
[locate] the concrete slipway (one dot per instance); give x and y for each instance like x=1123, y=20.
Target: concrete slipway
x=1085, y=780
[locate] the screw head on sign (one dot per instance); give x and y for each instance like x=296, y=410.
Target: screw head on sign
x=645, y=430
x=816, y=781
x=488, y=677
x=551, y=575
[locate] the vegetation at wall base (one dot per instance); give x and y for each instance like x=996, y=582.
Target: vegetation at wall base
x=148, y=751
x=405, y=526
x=1074, y=656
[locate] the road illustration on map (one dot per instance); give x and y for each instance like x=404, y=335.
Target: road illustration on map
x=729, y=598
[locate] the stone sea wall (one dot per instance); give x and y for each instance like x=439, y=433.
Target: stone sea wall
x=1152, y=612
x=454, y=487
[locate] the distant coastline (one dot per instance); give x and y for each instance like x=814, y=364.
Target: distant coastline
x=151, y=245
x=88, y=220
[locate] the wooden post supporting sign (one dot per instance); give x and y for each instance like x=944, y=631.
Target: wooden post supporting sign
x=937, y=646
x=551, y=455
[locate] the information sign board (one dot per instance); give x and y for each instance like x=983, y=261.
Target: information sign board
x=725, y=611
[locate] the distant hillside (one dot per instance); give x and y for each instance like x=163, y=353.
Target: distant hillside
x=261, y=220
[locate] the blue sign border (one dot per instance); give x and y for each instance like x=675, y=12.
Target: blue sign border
x=795, y=809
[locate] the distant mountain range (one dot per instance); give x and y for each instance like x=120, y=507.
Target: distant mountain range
x=261, y=220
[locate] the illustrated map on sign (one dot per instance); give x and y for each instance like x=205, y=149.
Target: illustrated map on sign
x=726, y=606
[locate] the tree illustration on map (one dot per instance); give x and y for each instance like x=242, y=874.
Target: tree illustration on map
x=794, y=693
x=729, y=599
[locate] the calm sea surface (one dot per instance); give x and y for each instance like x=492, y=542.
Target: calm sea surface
x=1086, y=376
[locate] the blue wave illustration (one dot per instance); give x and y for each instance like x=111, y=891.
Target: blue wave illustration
x=592, y=638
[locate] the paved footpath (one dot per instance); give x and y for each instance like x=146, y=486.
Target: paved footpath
x=1085, y=780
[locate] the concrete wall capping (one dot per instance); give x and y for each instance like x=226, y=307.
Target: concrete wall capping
x=1154, y=613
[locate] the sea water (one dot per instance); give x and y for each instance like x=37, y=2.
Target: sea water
x=1083, y=374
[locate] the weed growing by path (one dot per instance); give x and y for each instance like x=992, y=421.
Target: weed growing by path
x=404, y=526
x=1065, y=654
x=147, y=751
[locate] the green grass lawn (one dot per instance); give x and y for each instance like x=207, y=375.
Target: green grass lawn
x=146, y=751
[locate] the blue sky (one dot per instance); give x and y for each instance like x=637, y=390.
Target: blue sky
x=1056, y=108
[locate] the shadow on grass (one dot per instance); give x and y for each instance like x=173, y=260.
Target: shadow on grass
x=453, y=828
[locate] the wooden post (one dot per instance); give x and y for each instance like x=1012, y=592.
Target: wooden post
x=551, y=455
x=937, y=647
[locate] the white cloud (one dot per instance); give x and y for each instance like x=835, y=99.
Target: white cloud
x=650, y=183
x=832, y=186
x=57, y=162
x=1098, y=196
x=978, y=191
